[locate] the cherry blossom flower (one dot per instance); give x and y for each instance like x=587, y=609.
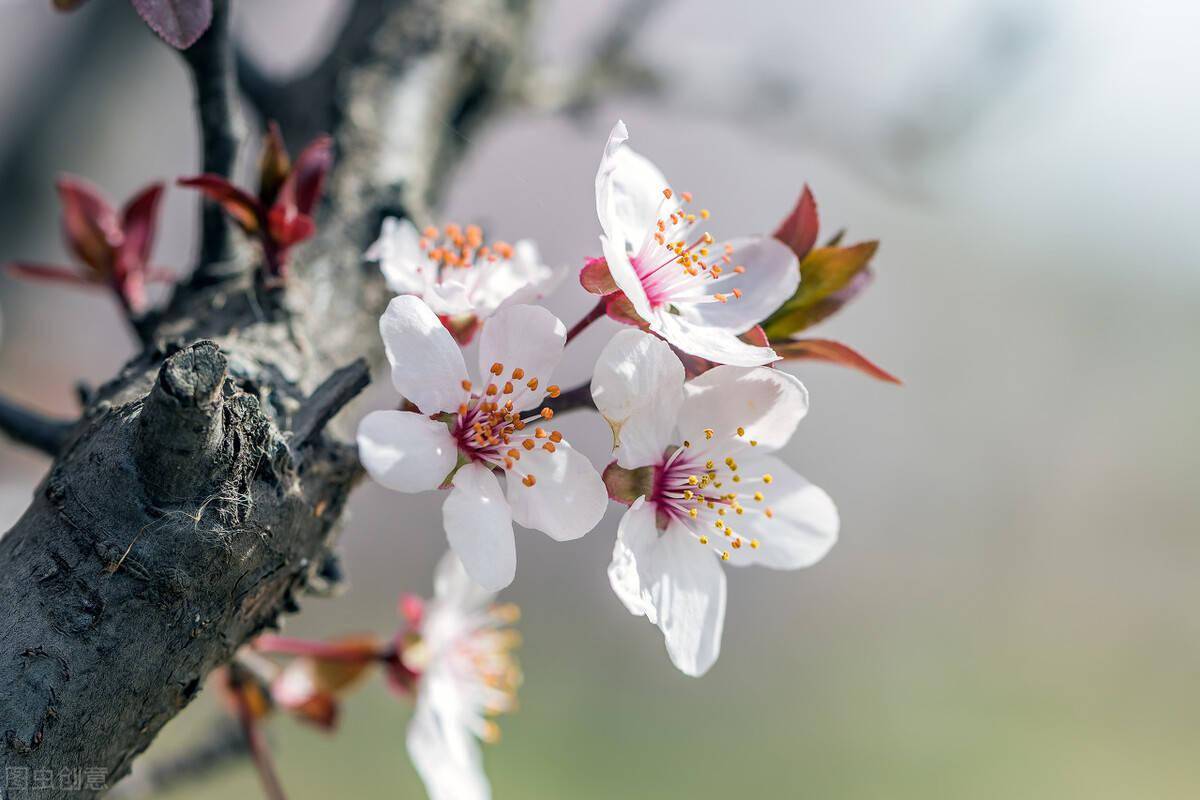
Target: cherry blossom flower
x=714, y=493
x=465, y=431
x=696, y=293
x=460, y=653
x=461, y=277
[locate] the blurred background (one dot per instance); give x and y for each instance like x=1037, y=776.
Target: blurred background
x=1011, y=611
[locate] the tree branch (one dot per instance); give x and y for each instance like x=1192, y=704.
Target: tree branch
x=33, y=429
x=210, y=64
x=572, y=399
x=177, y=524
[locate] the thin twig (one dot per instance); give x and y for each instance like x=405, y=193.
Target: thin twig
x=330, y=397
x=210, y=62
x=33, y=429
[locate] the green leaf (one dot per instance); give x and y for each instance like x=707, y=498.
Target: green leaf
x=829, y=278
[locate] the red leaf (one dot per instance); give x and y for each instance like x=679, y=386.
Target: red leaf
x=834, y=353
x=303, y=186
x=620, y=309
x=289, y=227
x=799, y=230
x=274, y=165
x=237, y=203
x=67, y=5
x=46, y=272
x=595, y=277
x=139, y=221
x=89, y=224
x=179, y=22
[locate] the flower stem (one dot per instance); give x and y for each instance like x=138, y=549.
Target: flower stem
x=596, y=313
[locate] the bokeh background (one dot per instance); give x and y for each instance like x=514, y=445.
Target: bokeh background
x=1012, y=609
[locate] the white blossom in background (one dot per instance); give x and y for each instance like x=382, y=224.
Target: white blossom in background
x=466, y=431
x=713, y=493
x=462, y=278
x=696, y=293
x=461, y=655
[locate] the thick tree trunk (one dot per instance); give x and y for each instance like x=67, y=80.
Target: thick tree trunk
x=199, y=493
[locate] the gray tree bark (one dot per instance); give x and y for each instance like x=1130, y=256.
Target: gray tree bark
x=199, y=493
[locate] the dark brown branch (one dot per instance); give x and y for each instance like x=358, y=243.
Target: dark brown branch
x=210, y=63
x=329, y=398
x=33, y=429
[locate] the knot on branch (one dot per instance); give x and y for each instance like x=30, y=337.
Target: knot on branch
x=182, y=424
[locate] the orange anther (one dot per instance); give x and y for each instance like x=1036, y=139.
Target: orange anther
x=497, y=368
x=548, y=447
x=547, y=413
x=528, y=444
x=555, y=436
x=518, y=373
x=529, y=480
x=552, y=390
x=532, y=384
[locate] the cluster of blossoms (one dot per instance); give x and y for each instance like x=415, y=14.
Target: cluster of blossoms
x=696, y=410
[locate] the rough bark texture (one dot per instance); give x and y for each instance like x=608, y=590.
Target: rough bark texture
x=198, y=494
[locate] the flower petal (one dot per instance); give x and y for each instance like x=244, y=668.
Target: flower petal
x=568, y=497
x=398, y=251
x=771, y=277
x=766, y=403
x=804, y=522
x=452, y=586
x=629, y=191
x=625, y=276
x=676, y=583
x=638, y=387
x=406, y=452
x=715, y=344
x=528, y=338
x=478, y=525
x=521, y=279
x=441, y=746
x=427, y=366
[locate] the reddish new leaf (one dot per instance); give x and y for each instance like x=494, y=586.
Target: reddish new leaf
x=237, y=203
x=46, y=272
x=179, y=22
x=829, y=278
x=90, y=225
x=595, y=277
x=274, y=165
x=139, y=221
x=289, y=227
x=620, y=309
x=834, y=353
x=799, y=230
x=303, y=186
x=67, y=5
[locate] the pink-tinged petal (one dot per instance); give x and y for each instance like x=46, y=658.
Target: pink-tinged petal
x=427, y=366
x=406, y=452
x=398, y=251
x=567, y=498
x=528, y=338
x=638, y=387
x=90, y=225
x=804, y=523
x=799, y=229
x=47, y=272
x=241, y=207
x=629, y=192
x=478, y=524
x=139, y=221
x=625, y=276
x=715, y=344
x=767, y=404
x=441, y=747
x=771, y=277
x=675, y=582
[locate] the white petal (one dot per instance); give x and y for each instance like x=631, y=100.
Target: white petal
x=804, y=526
x=767, y=403
x=715, y=344
x=427, y=366
x=400, y=257
x=525, y=337
x=441, y=747
x=629, y=191
x=625, y=276
x=522, y=279
x=680, y=584
x=568, y=497
x=406, y=452
x=452, y=585
x=478, y=525
x=448, y=298
x=638, y=387
x=771, y=277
